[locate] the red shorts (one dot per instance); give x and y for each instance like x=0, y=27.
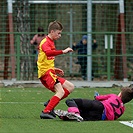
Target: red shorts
x=49, y=79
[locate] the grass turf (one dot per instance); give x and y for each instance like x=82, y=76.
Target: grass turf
x=21, y=107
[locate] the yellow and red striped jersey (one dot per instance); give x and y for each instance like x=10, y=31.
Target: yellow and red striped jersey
x=45, y=63
x=46, y=56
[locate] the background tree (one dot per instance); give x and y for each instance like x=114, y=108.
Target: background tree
x=23, y=26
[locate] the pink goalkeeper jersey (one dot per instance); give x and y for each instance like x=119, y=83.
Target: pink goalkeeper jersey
x=113, y=106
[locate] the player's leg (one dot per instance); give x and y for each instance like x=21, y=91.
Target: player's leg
x=62, y=89
x=52, y=111
x=47, y=115
x=91, y=109
x=96, y=111
x=73, y=107
x=67, y=86
x=47, y=79
x=78, y=103
x=61, y=114
x=73, y=112
x=59, y=92
x=65, y=115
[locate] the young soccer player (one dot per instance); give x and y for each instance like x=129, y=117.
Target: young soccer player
x=103, y=107
x=47, y=73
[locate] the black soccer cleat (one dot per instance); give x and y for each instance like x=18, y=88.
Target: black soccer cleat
x=52, y=112
x=44, y=115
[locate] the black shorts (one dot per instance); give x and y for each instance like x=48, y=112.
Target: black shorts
x=90, y=109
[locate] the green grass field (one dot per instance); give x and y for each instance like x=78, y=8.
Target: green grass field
x=21, y=108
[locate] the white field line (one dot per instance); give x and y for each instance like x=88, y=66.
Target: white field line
x=127, y=123
x=23, y=103
x=23, y=91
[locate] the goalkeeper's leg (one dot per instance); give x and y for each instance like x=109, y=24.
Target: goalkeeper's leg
x=65, y=115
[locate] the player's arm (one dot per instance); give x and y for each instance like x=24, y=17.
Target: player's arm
x=50, y=52
x=102, y=97
x=53, y=52
x=67, y=50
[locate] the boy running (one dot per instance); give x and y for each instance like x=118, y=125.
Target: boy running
x=47, y=73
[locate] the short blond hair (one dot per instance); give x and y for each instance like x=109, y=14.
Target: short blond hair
x=55, y=25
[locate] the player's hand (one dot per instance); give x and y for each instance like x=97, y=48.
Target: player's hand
x=96, y=94
x=59, y=71
x=67, y=50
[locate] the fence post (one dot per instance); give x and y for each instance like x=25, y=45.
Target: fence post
x=108, y=58
x=108, y=46
x=11, y=39
x=123, y=38
x=89, y=40
x=18, y=56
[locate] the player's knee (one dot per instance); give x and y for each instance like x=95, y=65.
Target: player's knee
x=60, y=93
x=71, y=87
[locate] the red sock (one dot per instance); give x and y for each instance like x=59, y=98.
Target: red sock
x=66, y=93
x=52, y=103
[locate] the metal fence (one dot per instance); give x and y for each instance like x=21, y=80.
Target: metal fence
x=108, y=22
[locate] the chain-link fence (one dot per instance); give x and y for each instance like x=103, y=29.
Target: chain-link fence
x=107, y=24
